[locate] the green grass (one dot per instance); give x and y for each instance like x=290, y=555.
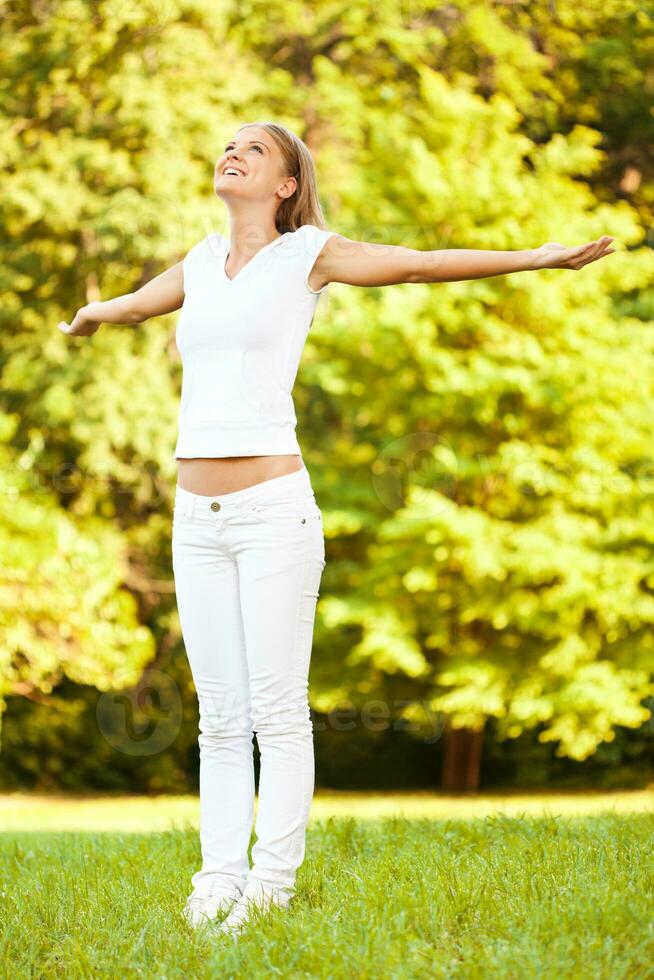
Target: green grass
x=498, y=896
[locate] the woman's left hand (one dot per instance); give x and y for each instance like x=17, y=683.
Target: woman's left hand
x=552, y=255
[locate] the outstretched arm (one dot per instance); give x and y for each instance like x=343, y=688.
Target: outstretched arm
x=163, y=294
x=367, y=264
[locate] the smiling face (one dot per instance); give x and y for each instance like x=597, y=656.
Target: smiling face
x=255, y=169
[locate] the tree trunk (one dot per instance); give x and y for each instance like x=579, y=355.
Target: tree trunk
x=462, y=759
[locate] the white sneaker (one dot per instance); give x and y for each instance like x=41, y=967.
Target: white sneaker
x=200, y=909
x=256, y=898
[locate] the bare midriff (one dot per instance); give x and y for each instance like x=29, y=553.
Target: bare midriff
x=226, y=474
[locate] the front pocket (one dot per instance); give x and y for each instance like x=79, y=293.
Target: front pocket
x=181, y=512
x=285, y=514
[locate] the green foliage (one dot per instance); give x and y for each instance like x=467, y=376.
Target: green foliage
x=504, y=512
x=64, y=611
x=481, y=450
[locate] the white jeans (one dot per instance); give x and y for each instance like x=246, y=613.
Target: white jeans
x=247, y=568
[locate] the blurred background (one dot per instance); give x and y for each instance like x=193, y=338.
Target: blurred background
x=481, y=451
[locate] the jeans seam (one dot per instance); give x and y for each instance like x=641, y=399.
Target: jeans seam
x=298, y=631
x=264, y=518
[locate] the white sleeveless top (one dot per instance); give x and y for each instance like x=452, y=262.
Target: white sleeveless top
x=240, y=341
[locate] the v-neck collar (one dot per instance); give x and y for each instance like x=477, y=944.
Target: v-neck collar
x=224, y=255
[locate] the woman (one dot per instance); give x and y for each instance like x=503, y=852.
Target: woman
x=248, y=546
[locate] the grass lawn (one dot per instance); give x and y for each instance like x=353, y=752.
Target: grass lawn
x=391, y=892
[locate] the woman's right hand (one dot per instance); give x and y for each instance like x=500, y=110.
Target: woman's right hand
x=85, y=322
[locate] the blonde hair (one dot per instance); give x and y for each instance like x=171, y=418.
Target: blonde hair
x=302, y=207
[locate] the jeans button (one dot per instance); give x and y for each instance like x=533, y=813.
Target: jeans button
x=215, y=505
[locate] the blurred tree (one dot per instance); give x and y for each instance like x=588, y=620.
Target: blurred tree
x=109, y=122
x=64, y=611
x=491, y=419
x=563, y=64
